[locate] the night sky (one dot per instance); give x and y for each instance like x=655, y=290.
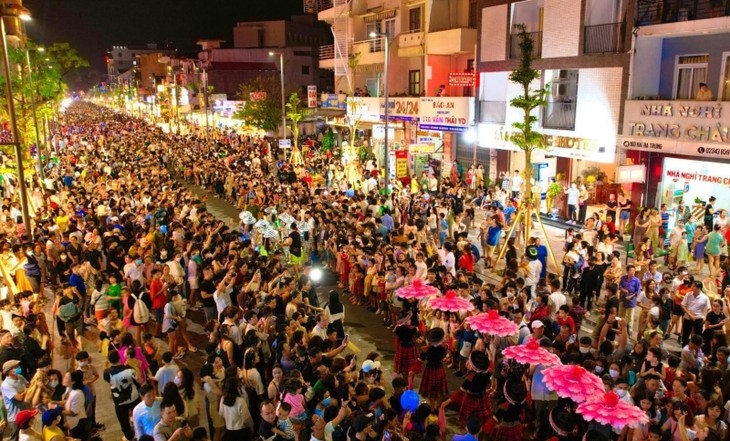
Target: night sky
x=93, y=26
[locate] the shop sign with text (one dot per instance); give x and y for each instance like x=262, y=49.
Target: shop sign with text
x=448, y=114
x=373, y=108
x=401, y=164
x=498, y=137
x=461, y=79
x=692, y=128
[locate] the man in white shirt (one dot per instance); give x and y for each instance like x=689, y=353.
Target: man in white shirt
x=146, y=414
x=167, y=372
x=517, y=182
x=556, y=299
x=421, y=268
x=320, y=329
x=14, y=387
x=534, y=268
x=695, y=306
x=573, y=201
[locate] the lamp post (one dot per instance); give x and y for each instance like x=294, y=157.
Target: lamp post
x=283, y=106
x=22, y=14
x=386, y=37
x=33, y=101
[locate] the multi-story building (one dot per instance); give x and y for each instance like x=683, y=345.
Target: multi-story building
x=582, y=53
x=121, y=59
x=428, y=42
x=672, y=125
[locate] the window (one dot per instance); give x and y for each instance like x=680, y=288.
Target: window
x=414, y=19
x=305, y=70
x=725, y=78
x=691, y=70
x=414, y=82
x=470, y=64
x=473, y=13
x=559, y=111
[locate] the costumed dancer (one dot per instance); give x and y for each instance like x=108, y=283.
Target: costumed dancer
x=564, y=422
x=472, y=397
x=508, y=416
x=433, y=383
x=407, y=363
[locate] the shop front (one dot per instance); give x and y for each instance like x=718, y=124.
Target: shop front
x=685, y=146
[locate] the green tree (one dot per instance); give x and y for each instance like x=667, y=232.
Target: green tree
x=262, y=98
x=353, y=117
x=66, y=59
x=295, y=113
x=526, y=138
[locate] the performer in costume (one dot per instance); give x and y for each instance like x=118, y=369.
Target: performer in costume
x=472, y=398
x=433, y=383
x=564, y=422
x=507, y=416
x=406, y=353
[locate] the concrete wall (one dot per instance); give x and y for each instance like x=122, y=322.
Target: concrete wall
x=493, y=35
x=561, y=28
x=647, y=67
x=714, y=45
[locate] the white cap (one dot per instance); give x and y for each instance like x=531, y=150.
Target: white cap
x=538, y=324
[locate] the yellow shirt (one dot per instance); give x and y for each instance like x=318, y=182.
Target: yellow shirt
x=62, y=222
x=50, y=432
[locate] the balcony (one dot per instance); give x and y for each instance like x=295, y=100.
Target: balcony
x=327, y=56
x=451, y=41
x=492, y=111
x=410, y=44
x=514, y=45
x=328, y=10
x=605, y=38
x=371, y=51
x=671, y=11
x=559, y=116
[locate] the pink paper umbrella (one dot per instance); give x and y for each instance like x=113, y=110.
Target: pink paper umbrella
x=492, y=323
x=417, y=290
x=609, y=409
x=531, y=353
x=572, y=381
x=451, y=303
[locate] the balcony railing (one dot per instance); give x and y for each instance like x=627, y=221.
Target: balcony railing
x=670, y=11
x=514, y=44
x=492, y=111
x=373, y=44
x=603, y=38
x=327, y=52
x=560, y=116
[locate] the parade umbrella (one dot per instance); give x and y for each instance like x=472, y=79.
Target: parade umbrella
x=531, y=353
x=492, y=323
x=609, y=409
x=573, y=381
x=287, y=218
x=450, y=302
x=262, y=224
x=247, y=217
x=417, y=290
x=303, y=227
x=270, y=233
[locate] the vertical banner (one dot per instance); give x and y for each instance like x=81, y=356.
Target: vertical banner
x=401, y=164
x=311, y=96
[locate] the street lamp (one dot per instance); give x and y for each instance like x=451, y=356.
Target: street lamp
x=283, y=106
x=32, y=96
x=386, y=37
x=24, y=15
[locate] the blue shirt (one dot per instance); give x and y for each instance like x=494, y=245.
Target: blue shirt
x=77, y=281
x=388, y=222
x=633, y=286
x=146, y=418
x=464, y=437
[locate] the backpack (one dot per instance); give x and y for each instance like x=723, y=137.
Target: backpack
x=68, y=312
x=140, y=312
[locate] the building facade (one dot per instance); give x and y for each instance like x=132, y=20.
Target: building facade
x=581, y=50
x=680, y=133
x=121, y=59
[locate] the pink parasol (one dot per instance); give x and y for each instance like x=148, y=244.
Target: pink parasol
x=572, y=381
x=492, y=323
x=451, y=303
x=609, y=409
x=417, y=290
x=531, y=353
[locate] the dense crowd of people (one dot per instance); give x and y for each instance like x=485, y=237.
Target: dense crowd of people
x=122, y=249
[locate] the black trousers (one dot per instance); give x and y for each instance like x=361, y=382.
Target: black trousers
x=691, y=327
x=123, y=411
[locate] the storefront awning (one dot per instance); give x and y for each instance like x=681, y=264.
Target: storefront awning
x=323, y=113
x=370, y=68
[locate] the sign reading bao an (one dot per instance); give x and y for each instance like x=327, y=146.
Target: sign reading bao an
x=449, y=114
x=692, y=128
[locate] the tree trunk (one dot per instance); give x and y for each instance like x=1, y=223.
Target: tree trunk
x=528, y=202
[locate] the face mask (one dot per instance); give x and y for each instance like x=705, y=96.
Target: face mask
x=177, y=381
x=621, y=392
x=584, y=350
x=63, y=257
x=82, y=364
x=599, y=369
x=18, y=370
x=29, y=253
x=510, y=294
x=53, y=384
x=613, y=373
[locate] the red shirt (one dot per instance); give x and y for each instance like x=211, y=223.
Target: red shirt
x=157, y=294
x=466, y=262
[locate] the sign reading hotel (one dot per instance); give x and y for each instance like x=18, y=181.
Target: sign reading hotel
x=692, y=128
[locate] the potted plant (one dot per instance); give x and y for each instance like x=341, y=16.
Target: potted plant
x=700, y=202
x=553, y=190
x=627, y=232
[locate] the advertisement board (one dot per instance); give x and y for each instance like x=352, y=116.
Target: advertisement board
x=448, y=114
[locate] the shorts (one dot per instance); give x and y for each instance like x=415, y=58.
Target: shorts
x=677, y=310
x=193, y=282
x=295, y=260
x=625, y=215
x=159, y=314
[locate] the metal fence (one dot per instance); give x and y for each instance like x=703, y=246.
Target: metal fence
x=327, y=52
x=670, y=11
x=603, y=38
x=559, y=116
